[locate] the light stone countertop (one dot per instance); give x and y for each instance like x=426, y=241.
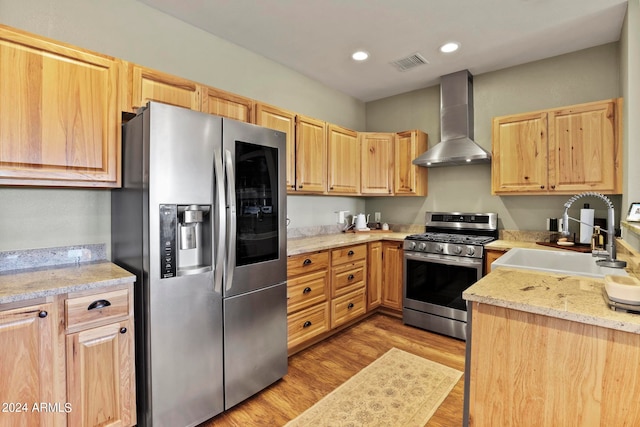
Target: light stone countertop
x=303, y=245
x=21, y=285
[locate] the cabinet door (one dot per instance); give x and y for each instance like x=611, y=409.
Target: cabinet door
x=374, y=275
x=311, y=155
x=410, y=180
x=151, y=85
x=377, y=151
x=284, y=121
x=225, y=104
x=27, y=367
x=100, y=381
x=393, y=260
x=520, y=158
x=584, y=155
x=489, y=257
x=60, y=121
x=344, y=161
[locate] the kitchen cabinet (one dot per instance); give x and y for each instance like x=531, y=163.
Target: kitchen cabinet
x=559, y=151
x=61, y=113
x=151, y=85
x=343, y=161
x=491, y=255
x=100, y=358
x=226, y=104
x=29, y=368
x=311, y=155
x=308, y=296
x=409, y=179
x=377, y=165
x=374, y=275
x=284, y=121
x=393, y=265
x=348, y=284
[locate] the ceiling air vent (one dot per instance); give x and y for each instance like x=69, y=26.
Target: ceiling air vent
x=409, y=62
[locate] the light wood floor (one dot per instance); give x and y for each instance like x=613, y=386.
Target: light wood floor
x=318, y=370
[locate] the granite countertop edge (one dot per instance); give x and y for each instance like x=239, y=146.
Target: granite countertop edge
x=30, y=284
x=301, y=245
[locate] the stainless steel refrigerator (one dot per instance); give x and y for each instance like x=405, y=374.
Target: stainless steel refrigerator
x=201, y=221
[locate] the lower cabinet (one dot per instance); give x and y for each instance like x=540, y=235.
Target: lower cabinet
x=491, y=255
x=392, y=267
x=69, y=361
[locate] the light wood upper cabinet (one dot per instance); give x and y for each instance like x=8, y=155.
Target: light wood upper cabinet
x=60, y=121
x=311, y=155
x=409, y=179
x=28, y=367
x=559, y=151
x=377, y=151
x=344, y=161
x=151, y=85
x=284, y=121
x=225, y=104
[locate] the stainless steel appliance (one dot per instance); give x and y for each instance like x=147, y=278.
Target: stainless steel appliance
x=440, y=264
x=200, y=219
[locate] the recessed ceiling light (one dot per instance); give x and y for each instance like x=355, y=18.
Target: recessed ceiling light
x=360, y=55
x=449, y=47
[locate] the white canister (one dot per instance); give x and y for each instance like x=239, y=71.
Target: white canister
x=586, y=224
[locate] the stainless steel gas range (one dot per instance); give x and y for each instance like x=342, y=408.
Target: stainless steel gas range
x=440, y=264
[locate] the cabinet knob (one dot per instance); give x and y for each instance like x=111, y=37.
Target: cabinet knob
x=350, y=277
x=101, y=303
x=123, y=330
x=306, y=324
x=553, y=187
x=526, y=177
x=306, y=262
x=43, y=314
x=299, y=186
x=350, y=253
x=542, y=186
x=350, y=306
x=306, y=290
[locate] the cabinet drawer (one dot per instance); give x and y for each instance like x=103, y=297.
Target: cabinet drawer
x=348, y=307
x=307, y=290
x=347, y=277
x=82, y=311
x=298, y=264
x=307, y=324
x=348, y=254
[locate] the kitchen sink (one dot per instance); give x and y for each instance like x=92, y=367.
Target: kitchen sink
x=570, y=263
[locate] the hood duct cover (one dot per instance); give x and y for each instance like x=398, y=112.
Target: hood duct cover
x=457, y=146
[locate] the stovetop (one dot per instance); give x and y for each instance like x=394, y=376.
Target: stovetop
x=451, y=238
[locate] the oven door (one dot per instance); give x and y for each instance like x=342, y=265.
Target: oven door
x=434, y=283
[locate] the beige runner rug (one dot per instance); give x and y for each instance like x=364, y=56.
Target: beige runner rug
x=397, y=389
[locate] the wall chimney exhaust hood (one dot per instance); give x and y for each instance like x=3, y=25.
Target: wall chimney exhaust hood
x=457, y=146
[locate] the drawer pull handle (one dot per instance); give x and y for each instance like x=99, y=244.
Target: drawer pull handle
x=350, y=277
x=306, y=262
x=123, y=330
x=43, y=314
x=350, y=306
x=306, y=290
x=101, y=303
x=350, y=253
x=306, y=324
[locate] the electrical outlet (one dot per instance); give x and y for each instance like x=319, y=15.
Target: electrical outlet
x=376, y=217
x=74, y=253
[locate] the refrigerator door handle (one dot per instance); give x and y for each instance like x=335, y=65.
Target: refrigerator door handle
x=220, y=233
x=231, y=220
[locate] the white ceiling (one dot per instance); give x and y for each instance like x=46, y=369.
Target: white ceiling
x=317, y=37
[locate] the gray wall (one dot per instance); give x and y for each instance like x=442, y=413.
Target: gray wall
x=588, y=75
x=127, y=29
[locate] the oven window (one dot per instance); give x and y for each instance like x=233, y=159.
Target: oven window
x=439, y=284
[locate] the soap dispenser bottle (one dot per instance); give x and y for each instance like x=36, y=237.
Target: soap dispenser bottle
x=597, y=239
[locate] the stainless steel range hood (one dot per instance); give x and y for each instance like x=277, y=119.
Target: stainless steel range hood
x=457, y=146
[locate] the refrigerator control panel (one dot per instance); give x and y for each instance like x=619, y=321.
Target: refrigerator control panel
x=168, y=224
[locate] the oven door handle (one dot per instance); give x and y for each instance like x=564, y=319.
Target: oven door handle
x=438, y=259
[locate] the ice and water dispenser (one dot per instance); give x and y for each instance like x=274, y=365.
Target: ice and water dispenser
x=185, y=239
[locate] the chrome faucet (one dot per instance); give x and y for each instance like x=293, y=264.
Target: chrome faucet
x=610, y=260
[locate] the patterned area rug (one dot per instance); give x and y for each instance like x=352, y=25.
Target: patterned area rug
x=397, y=389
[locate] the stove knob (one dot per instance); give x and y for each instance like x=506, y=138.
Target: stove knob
x=440, y=248
x=410, y=245
x=457, y=250
x=471, y=250
x=422, y=246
